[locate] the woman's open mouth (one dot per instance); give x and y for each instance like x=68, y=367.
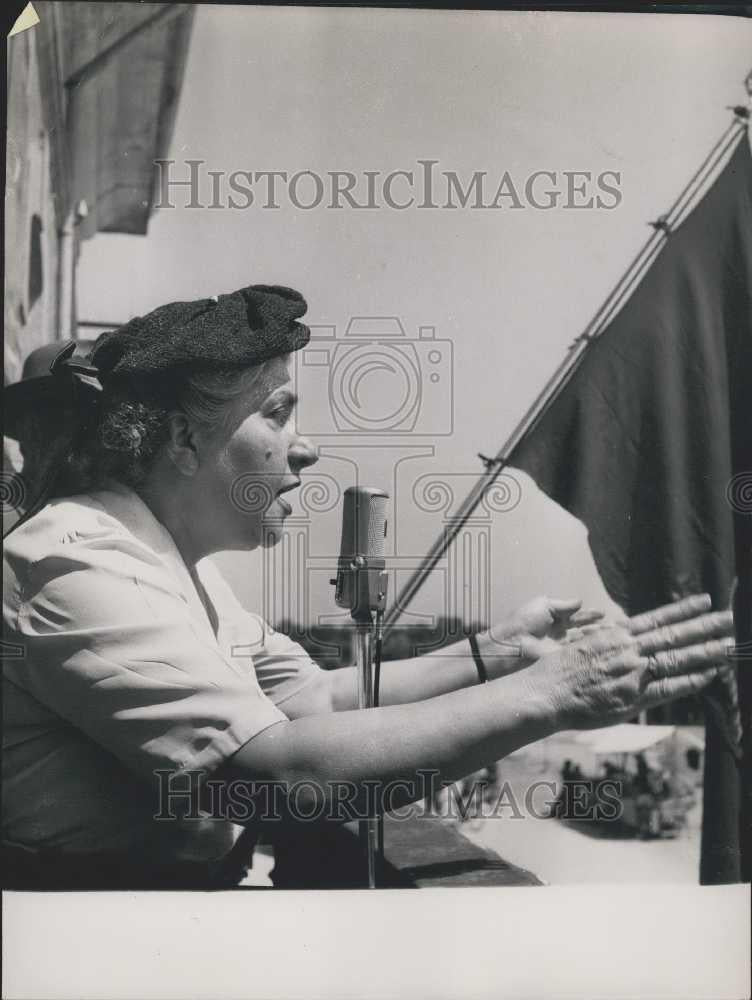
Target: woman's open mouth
x=285, y=506
x=283, y=503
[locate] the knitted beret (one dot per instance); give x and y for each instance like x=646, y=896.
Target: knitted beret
x=237, y=330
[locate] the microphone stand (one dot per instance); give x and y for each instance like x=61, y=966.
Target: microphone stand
x=367, y=640
x=369, y=828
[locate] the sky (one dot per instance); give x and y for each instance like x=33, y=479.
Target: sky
x=504, y=289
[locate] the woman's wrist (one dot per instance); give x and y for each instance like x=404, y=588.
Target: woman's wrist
x=501, y=655
x=532, y=700
x=546, y=696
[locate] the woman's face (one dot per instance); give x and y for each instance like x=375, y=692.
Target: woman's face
x=249, y=464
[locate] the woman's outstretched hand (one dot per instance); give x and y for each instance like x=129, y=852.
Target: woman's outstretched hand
x=611, y=672
x=533, y=631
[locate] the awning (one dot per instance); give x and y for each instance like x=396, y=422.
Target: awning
x=624, y=738
x=123, y=69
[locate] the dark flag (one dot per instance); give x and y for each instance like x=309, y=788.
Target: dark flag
x=650, y=445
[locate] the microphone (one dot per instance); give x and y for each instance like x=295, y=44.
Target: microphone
x=360, y=585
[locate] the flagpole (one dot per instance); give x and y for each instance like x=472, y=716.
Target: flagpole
x=662, y=228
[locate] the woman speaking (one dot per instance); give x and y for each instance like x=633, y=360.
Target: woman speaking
x=127, y=638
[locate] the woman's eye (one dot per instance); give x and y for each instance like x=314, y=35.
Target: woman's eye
x=281, y=414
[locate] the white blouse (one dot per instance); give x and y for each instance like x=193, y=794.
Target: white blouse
x=112, y=672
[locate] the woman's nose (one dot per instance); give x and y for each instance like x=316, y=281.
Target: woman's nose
x=302, y=453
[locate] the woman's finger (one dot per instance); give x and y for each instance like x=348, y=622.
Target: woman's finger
x=688, y=607
x=677, y=687
x=575, y=634
x=711, y=626
x=674, y=662
x=569, y=614
x=561, y=612
x=586, y=617
x=563, y=607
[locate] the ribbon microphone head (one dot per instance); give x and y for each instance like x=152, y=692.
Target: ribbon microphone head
x=361, y=580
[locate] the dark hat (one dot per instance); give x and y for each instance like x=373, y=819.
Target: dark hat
x=238, y=330
x=37, y=388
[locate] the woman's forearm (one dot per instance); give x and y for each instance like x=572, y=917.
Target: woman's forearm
x=430, y=675
x=452, y=735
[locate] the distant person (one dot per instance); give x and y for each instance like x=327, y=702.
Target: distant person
x=641, y=778
x=35, y=409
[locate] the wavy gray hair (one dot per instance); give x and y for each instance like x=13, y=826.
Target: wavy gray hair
x=131, y=424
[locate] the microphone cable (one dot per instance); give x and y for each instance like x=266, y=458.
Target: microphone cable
x=377, y=651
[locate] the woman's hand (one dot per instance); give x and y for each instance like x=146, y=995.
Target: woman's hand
x=615, y=671
x=533, y=631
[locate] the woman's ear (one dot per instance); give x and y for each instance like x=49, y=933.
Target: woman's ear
x=181, y=444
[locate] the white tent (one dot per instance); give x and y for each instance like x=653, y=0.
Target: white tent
x=585, y=748
x=625, y=738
